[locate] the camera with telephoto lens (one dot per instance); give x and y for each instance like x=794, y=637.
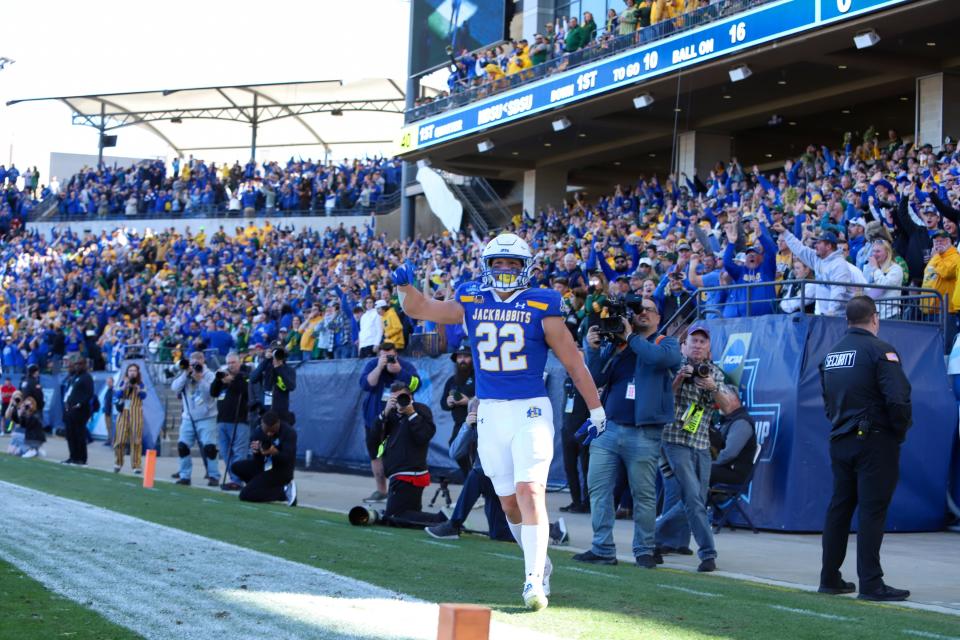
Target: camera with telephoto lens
x=391, y=359
x=404, y=400
x=279, y=353
x=701, y=370
x=184, y=364
x=198, y=367
x=618, y=309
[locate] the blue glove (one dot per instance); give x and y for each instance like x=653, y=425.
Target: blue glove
x=403, y=275
x=594, y=427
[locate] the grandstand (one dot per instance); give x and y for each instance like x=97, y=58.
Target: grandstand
x=682, y=152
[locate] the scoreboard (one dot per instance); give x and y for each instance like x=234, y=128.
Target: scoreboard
x=723, y=37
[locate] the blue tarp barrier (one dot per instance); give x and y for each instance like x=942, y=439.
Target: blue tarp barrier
x=153, y=413
x=328, y=405
x=780, y=384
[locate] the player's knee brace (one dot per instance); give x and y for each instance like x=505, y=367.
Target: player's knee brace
x=183, y=450
x=210, y=451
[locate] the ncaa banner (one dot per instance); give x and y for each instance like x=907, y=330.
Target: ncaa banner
x=775, y=361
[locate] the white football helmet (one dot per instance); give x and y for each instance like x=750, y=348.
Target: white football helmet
x=506, y=245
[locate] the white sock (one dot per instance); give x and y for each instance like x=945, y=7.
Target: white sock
x=515, y=530
x=536, y=540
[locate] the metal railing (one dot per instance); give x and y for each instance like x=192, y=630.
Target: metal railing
x=910, y=304
x=384, y=204
x=604, y=47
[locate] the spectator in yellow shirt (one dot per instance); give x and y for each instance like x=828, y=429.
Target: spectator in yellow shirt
x=308, y=332
x=392, y=327
x=666, y=10
x=941, y=272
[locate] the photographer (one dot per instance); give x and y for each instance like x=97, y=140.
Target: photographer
x=403, y=432
x=686, y=448
x=28, y=437
x=735, y=441
x=457, y=393
x=231, y=389
x=30, y=386
x=198, y=422
x=77, y=393
x=278, y=380
x=128, y=400
x=377, y=376
x=576, y=455
x=269, y=473
x=635, y=368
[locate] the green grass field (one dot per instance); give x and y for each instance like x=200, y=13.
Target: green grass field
x=588, y=602
x=30, y=610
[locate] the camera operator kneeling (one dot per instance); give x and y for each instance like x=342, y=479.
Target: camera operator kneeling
x=404, y=430
x=269, y=473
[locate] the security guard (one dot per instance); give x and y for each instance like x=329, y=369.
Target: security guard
x=867, y=399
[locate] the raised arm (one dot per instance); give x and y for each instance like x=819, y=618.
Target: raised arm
x=418, y=306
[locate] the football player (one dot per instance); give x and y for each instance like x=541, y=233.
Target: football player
x=510, y=327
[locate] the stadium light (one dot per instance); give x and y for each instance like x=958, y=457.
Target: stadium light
x=485, y=145
x=866, y=39
x=561, y=124
x=642, y=102
x=739, y=73
x=4, y=61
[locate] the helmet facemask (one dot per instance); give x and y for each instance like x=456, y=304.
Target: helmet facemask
x=506, y=278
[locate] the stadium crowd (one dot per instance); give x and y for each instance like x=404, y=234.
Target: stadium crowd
x=878, y=214
x=567, y=42
x=194, y=186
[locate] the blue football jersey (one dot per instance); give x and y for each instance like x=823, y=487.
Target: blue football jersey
x=507, y=339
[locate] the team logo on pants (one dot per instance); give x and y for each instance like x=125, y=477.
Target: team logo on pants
x=534, y=412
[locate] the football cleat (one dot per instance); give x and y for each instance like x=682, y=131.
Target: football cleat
x=534, y=597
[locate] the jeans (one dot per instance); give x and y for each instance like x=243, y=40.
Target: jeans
x=203, y=432
x=475, y=485
x=639, y=450
x=241, y=445
x=344, y=352
x=685, y=503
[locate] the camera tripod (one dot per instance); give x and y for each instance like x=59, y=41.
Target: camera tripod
x=442, y=490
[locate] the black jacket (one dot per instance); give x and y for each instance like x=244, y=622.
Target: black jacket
x=575, y=411
x=279, y=383
x=32, y=427
x=466, y=387
x=864, y=387
x=77, y=392
x=915, y=241
x=286, y=443
x=407, y=439
x=232, y=399
x=31, y=387
x=742, y=462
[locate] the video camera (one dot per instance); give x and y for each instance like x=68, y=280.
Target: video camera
x=618, y=309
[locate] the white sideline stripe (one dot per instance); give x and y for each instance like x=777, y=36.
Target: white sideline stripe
x=439, y=544
x=281, y=513
x=589, y=572
x=706, y=594
x=807, y=612
x=503, y=555
x=378, y=532
x=928, y=634
x=190, y=587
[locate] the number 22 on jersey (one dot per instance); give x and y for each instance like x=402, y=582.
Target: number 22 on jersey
x=499, y=347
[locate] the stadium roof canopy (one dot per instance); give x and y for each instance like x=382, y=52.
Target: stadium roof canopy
x=319, y=113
